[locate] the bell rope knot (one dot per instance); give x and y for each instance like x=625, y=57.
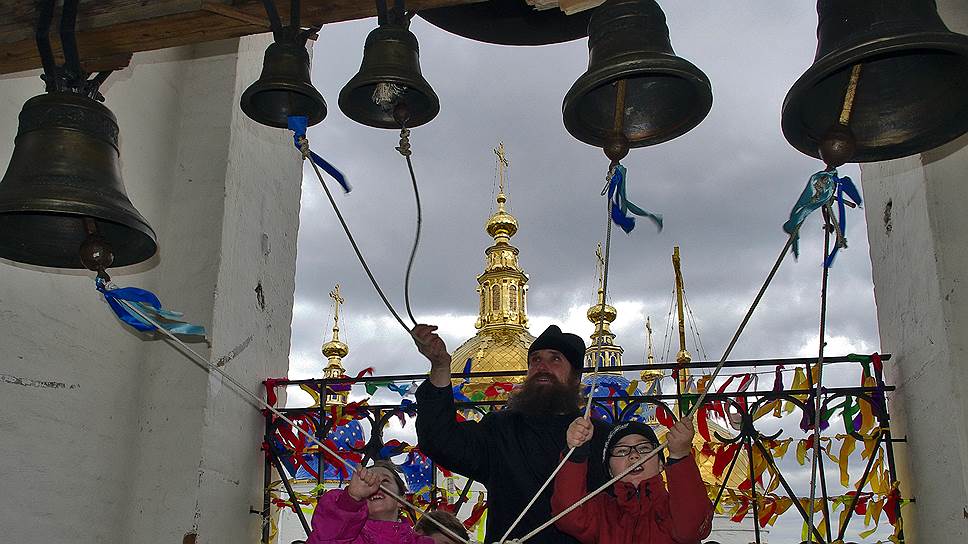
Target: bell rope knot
x=404, y=147
x=621, y=207
x=298, y=125
x=822, y=190
x=127, y=302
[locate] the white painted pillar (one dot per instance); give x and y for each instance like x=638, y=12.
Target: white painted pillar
x=107, y=436
x=918, y=231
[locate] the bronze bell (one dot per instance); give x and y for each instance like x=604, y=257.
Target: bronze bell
x=285, y=87
x=63, y=182
x=509, y=22
x=911, y=91
x=389, y=79
x=635, y=86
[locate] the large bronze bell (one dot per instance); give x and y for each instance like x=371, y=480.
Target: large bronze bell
x=64, y=183
x=911, y=92
x=635, y=87
x=509, y=22
x=285, y=87
x=389, y=82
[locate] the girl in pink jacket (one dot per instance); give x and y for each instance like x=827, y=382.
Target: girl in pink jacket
x=362, y=513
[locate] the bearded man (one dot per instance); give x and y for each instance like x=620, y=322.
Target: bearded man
x=511, y=451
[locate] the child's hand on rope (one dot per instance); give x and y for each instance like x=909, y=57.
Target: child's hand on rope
x=680, y=439
x=431, y=346
x=579, y=432
x=364, y=484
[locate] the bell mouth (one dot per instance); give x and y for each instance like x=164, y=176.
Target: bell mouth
x=897, y=96
x=666, y=96
x=53, y=240
x=271, y=102
x=509, y=22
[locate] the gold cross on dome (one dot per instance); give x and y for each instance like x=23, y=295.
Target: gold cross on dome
x=503, y=163
x=337, y=300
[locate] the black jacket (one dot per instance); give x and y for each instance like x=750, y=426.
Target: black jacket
x=511, y=453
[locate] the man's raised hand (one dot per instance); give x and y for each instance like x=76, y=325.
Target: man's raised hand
x=430, y=345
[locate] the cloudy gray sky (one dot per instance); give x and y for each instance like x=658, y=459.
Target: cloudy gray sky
x=724, y=188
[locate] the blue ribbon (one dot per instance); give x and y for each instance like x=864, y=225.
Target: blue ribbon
x=818, y=192
x=298, y=125
x=621, y=206
x=147, y=302
x=844, y=185
x=820, y=189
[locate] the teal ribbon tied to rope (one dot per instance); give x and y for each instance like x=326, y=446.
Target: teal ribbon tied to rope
x=147, y=302
x=298, y=125
x=821, y=189
x=621, y=207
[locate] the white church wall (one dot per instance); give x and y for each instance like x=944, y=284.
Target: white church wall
x=918, y=233
x=111, y=438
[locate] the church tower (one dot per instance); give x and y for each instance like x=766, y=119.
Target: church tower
x=334, y=351
x=603, y=347
x=502, y=340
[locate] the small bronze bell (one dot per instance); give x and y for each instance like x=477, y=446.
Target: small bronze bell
x=509, y=22
x=911, y=93
x=284, y=88
x=635, y=87
x=63, y=188
x=389, y=82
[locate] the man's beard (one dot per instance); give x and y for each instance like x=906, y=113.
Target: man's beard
x=551, y=398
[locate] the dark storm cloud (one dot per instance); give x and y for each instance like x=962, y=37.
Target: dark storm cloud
x=724, y=188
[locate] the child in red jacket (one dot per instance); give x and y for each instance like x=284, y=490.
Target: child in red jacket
x=638, y=509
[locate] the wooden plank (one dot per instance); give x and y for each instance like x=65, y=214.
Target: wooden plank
x=111, y=29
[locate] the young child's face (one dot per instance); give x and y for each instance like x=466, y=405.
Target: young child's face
x=626, y=452
x=380, y=505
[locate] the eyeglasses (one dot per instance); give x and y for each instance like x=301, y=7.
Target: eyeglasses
x=641, y=448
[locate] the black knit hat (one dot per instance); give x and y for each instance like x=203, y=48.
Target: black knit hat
x=622, y=430
x=570, y=345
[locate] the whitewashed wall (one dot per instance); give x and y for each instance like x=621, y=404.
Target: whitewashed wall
x=918, y=232
x=106, y=436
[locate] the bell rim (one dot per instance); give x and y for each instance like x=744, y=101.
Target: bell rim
x=669, y=64
x=414, y=121
x=508, y=32
x=122, y=257
x=245, y=101
x=839, y=60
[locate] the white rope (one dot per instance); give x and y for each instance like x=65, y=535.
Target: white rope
x=263, y=404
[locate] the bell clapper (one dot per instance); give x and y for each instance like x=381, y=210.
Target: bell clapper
x=95, y=252
x=839, y=144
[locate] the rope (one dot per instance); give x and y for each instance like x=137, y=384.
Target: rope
x=264, y=405
x=304, y=148
x=591, y=394
x=817, y=401
x=404, y=150
x=695, y=406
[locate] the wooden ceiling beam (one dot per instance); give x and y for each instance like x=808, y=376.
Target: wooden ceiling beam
x=109, y=31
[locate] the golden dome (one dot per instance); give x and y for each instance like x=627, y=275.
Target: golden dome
x=501, y=224
x=494, y=350
x=596, y=312
x=335, y=348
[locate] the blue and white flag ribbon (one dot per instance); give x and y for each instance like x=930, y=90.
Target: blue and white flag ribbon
x=147, y=302
x=621, y=207
x=822, y=188
x=298, y=125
